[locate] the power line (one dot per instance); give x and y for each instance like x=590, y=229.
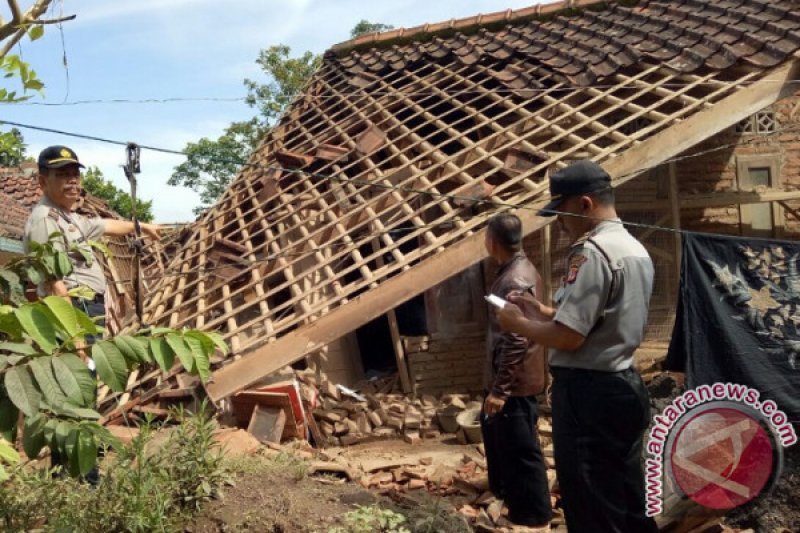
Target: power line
x=531, y=90
x=368, y=183
x=167, y=100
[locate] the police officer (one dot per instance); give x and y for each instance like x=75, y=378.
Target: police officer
x=600, y=405
x=60, y=181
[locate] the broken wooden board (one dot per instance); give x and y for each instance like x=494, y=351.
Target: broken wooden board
x=267, y=423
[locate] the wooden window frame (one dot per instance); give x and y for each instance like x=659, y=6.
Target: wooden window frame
x=744, y=163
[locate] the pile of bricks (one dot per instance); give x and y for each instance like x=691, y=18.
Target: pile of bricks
x=377, y=412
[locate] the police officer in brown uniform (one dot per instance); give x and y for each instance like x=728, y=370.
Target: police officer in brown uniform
x=514, y=374
x=600, y=405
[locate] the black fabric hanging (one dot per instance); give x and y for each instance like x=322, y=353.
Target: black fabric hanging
x=738, y=316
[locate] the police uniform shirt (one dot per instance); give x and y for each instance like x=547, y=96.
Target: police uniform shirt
x=604, y=296
x=46, y=219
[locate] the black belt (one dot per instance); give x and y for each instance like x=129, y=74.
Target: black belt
x=566, y=372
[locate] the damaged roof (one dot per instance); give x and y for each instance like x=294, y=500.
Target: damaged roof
x=13, y=218
x=582, y=47
x=378, y=180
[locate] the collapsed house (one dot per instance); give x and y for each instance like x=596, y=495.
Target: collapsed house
x=355, y=230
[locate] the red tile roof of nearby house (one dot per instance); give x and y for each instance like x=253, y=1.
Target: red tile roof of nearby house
x=12, y=220
x=20, y=186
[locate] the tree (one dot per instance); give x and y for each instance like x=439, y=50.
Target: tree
x=12, y=148
x=211, y=164
x=95, y=184
x=43, y=380
x=365, y=26
x=22, y=22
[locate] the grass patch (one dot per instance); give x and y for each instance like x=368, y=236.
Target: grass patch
x=142, y=488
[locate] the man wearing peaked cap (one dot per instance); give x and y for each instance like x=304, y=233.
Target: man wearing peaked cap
x=60, y=181
x=600, y=405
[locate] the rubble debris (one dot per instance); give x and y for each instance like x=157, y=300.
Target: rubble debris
x=346, y=417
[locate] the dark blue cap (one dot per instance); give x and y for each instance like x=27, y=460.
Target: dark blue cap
x=581, y=177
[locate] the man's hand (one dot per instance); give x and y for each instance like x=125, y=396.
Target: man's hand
x=493, y=405
x=531, y=307
x=511, y=319
x=152, y=230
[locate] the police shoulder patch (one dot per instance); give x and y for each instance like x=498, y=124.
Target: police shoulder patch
x=575, y=263
x=52, y=214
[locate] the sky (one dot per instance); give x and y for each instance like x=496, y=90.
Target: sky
x=159, y=49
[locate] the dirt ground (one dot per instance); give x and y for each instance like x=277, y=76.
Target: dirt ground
x=282, y=498
x=277, y=498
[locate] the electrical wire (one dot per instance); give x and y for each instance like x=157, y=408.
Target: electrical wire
x=301, y=94
x=474, y=201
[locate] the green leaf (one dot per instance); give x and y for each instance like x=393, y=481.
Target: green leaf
x=63, y=265
x=46, y=379
x=18, y=347
x=133, y=350
x=80, y=412
x=202, y=365
x=22, y=391
x=33, y=435
x=181, y=350
x=64, y=313
x=105, y=250
x=111, y=366
x=83, y=376
x=88, y=325
x=36, y=324
x=205, y=340
x=218, y=341
x=33, y=275
x=9, y=324
x=67, y=381
x=85, y=452
x=102, y=435
x=162, y=353
x=159, y=331
x=9, y=416
x=8, y=454
x=61, y=434
x=70, y=452
x=82, y=292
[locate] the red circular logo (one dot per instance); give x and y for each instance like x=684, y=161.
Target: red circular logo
x=721, y=457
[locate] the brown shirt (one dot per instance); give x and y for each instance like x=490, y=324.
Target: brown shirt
x=514, y=365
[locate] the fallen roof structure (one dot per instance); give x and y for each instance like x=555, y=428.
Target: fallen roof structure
x=377, y=182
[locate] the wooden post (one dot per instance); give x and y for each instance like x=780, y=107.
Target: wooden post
x=397, y=343
x=675, y=209
x=547, y=290
x=399, y=353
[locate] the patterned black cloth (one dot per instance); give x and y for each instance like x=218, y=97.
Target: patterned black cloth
x=738, y=316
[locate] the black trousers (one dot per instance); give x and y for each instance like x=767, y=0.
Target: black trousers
x=599, y=419
x=517, y=473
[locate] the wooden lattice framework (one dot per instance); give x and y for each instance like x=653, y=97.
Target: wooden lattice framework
x=368, y=178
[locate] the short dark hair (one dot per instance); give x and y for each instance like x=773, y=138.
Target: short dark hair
x=603, y=197
x=506, y=230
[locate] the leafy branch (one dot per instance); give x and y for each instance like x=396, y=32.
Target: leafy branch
x=43, y=377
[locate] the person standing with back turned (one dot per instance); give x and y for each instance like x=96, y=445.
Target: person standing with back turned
x=514, y=374
x=600, y=405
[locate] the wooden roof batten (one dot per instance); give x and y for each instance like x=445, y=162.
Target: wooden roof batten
x=461, y=255
x=376, y=184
